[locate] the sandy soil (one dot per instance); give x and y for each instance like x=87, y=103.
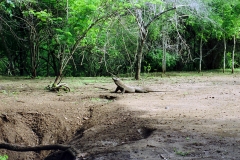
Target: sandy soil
x=198, y=117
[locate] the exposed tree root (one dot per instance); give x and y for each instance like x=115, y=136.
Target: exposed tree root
x=19, y=148
x=58, y=87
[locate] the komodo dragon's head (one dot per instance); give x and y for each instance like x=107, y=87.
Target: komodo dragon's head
x=115, y=78
x=117, y=81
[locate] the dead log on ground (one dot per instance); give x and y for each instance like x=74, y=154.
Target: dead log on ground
x=20, y=148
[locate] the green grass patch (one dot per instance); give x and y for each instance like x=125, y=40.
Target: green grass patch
x=181, y=153
x=4, y=157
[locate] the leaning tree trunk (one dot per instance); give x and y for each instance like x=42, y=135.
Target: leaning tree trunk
x=59, y=74
x=224, y=53
x=233, y=53
x=143, y=31
x=57, y=79
x=57, y=85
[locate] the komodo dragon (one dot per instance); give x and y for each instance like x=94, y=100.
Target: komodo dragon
x=129, y=89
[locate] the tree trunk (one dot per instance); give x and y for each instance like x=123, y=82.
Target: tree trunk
x=22, y=54
x=59, y=71
x=164, y=68
x=139, y=60
x=234, y=46
x=22, y=57
x=54, y=63
x=34, y=52
x=200, y=57
x=143, y=31
x=48, y=64
x=224, y=53
x=58, y=79
x=164, y=52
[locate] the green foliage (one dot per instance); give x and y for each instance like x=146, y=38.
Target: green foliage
x=95, y=37
x=42, y=15
x=3, y=65
x=229, y=60
x=226, y=14
x=147, y=68
x=181, y=153
x=7, y=7
x=68, y=71
x=4, y=157
x=154, y=59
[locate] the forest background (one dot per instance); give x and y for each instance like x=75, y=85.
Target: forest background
x=107, y=37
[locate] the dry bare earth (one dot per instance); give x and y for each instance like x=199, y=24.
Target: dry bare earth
x=198, y=120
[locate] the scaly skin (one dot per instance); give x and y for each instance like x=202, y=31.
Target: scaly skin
x=129, y=89
x=122, y=87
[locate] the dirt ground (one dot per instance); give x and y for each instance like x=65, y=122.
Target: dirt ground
x=196, y=117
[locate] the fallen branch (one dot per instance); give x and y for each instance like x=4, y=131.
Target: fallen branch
x=20, y=148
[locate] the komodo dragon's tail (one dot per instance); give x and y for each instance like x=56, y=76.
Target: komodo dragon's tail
x=146, y=90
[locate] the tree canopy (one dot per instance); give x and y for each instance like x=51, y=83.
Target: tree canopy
x=105, y=37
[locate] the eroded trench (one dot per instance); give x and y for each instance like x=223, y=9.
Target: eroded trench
x=103, y=128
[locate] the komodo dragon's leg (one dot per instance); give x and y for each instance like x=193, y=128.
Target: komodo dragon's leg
x=118, y=88
x=121, y=89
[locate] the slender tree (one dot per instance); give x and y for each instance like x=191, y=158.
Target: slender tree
x=148, y=12
x=227, y=13
x=80, y=21
x=145, y=14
